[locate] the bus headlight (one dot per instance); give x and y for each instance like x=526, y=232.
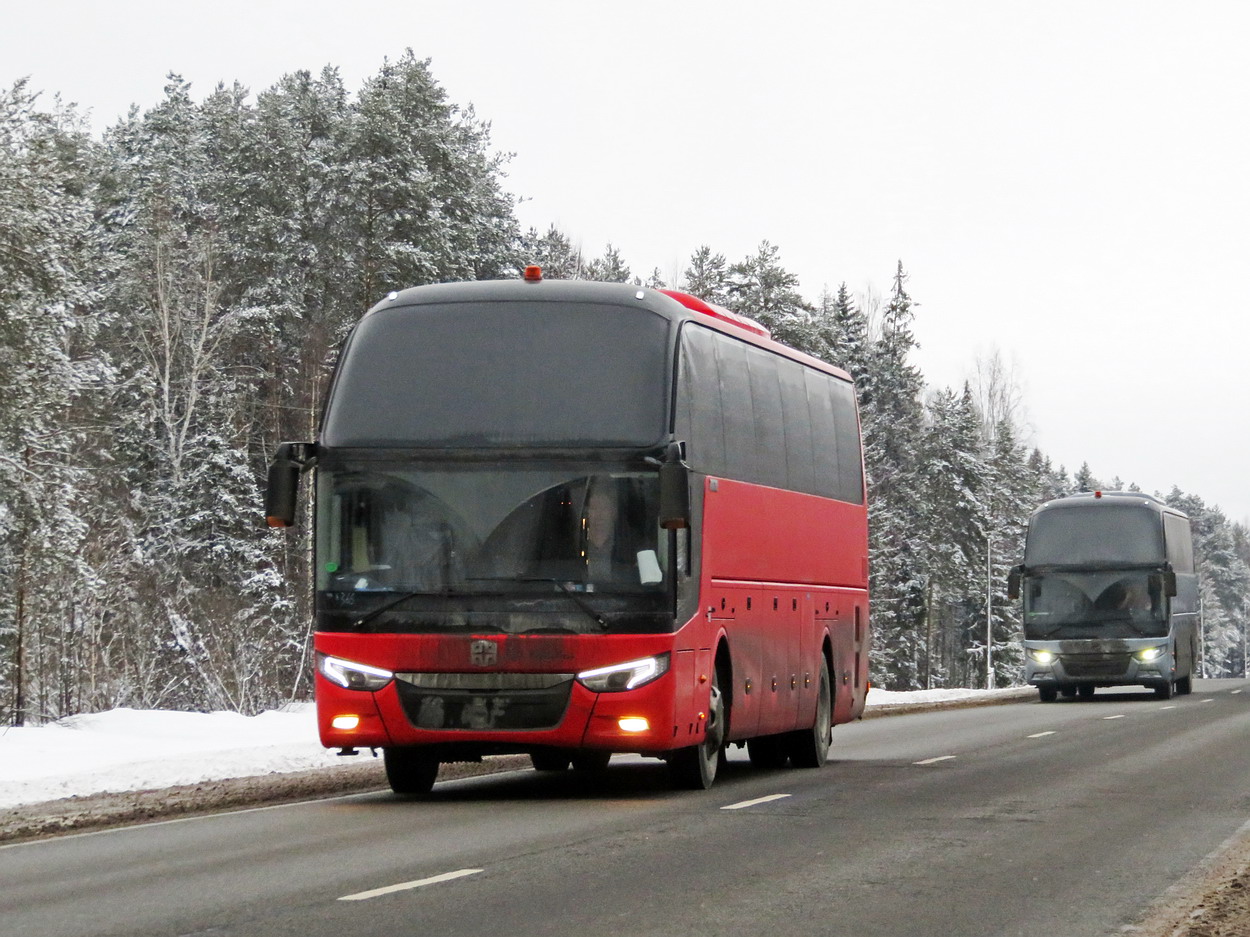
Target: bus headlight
x=352, y=676
x=1146, y=655
x=1043, y=657
x=626, y=676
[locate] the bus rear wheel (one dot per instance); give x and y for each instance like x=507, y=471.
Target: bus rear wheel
x=809, y=748
x=694, y=768
x=410, y=770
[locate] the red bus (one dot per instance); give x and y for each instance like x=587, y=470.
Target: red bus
x=569, y=519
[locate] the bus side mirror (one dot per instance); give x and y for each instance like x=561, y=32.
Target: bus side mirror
x=1166, y=581
x=1013, y=582
x=674, y=490
x=282, y=491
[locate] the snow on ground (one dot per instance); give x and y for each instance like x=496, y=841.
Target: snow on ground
x=130, y=749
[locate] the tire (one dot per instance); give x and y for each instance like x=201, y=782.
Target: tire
x=1185, y=685
x=1166, y=690
x=694, y=768
x=1085, y=691
x=768, y=751
x=1048, y=694
x=549, y=761
x=809, y=748
x=1068, y=691
x=591, y=762
x=410, y=770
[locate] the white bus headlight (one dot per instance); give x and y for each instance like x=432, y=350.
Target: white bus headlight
x=627, y=676
x=1043, y=657
x=1146, y=655
x=352, y=676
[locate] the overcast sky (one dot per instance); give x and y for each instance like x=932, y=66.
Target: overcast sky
x=1065, y=182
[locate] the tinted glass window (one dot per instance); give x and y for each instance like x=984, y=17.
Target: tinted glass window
x=758, y=417
x=502, y=374
x=824, y=434
x=1095, y=533
x=1180, y=543
x=736, y=410
x=769, y=448
x=698, y=417
x=850, y=459
x=800, y=465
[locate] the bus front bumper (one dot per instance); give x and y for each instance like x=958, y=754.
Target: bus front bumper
x=1047, y=665
x=468, y=724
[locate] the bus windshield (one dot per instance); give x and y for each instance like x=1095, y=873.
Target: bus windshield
x=1109, y=604
x=518, y=549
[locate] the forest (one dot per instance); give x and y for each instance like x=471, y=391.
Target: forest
x=172, y=296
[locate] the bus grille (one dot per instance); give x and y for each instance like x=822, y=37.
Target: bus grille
x=484, y=701
x=1095, y=665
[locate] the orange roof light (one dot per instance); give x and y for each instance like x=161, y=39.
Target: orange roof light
x=533, y=273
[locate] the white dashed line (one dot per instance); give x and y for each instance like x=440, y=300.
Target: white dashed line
x=1161, y=708
x=1234, y=692
x=404, y=886
x=1209, y=699
x=933, y=761
x=1120, y=716
x=752, y=803
x=1040, y=735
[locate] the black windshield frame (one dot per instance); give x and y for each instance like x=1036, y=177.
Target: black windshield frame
x=523, y=563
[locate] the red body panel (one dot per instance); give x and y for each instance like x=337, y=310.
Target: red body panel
x=784, y=575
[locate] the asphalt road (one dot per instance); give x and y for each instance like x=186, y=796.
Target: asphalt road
x=1055, y=820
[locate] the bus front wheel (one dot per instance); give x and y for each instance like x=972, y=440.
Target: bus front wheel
x=410, y=770
x=694, y=768
x=809, y=748
x=1048, y=694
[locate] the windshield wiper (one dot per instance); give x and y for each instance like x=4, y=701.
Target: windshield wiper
x=576, y=597
x=388, y=605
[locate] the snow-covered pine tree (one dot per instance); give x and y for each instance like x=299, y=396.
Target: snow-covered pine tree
x=892, y=417
x=552, y=251
x=953, y=483
x=610, y=268
x=707, y=277
x=762, y=289
x=47, y=366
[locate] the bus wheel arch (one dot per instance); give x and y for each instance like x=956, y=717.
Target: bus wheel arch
x=696, y=766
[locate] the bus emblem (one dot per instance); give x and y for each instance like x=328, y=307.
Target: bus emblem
x=484, y=653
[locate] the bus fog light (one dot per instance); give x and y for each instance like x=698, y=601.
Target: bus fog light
x=633, y=724
x=346, y=723
x=1146, y=655
x=1043, y=657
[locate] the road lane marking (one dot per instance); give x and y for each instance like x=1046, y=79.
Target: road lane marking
x=1161, y=708
x=933, y=761
x=758, y=800
x=1120, y=716
x=404, y=886
x=1234, y=692
x=1040, y=735
x=1209, y=699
